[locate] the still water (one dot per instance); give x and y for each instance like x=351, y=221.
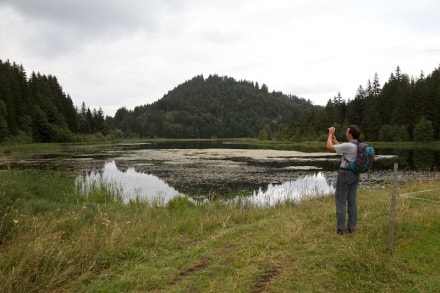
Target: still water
x=133, y=185
x=305, y=187
x=158, y=172
x=130, y=184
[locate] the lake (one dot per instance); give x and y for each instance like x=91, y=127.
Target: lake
x=205, y=170
x=143, y=186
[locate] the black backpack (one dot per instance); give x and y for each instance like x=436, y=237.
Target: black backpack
x=364, y=159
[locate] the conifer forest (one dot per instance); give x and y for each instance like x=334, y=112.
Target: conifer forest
x=35, y=108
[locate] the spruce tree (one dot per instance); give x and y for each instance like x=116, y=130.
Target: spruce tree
x=3, y=125
x=423, y=131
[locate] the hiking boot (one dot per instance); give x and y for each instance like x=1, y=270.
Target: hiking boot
x=340, y=232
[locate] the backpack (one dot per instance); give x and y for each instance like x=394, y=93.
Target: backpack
x=364, y=159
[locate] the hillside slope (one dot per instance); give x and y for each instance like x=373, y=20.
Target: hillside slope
x=212, y=107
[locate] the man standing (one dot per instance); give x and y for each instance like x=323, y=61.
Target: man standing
x=347, y=181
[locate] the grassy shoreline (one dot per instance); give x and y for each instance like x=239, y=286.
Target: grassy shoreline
x=6, y=149
x=56, y=239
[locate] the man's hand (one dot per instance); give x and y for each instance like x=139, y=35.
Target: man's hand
x=331, y=140
x=331, y=130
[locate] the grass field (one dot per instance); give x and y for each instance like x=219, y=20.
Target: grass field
x=54, y=238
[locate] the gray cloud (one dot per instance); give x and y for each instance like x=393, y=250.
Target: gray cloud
x=95, y=16
x=60, y=26
x=128, y=53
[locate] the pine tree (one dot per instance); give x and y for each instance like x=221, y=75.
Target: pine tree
x=423, y=131
x=3, y=125
x=6, y=94
x=84, y=124
x=376, y=90
x=355, y=108
x=371, y=124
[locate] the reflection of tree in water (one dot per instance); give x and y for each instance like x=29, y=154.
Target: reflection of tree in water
x=423, y=159
x=404, y=159
x=121, y=167
x=387, y=163
x=436, y=161
x=409, y=159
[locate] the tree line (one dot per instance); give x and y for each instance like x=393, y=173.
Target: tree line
x=36, y=109
x=404, y=109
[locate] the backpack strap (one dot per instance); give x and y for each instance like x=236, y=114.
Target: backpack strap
x=357, y=150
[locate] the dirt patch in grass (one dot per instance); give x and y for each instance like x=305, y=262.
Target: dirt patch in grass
x=268, y=275
x=194, y=268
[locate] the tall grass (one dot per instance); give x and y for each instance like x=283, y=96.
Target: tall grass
x=59, y=239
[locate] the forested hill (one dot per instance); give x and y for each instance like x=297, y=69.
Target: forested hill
x=216, y=106
x=36, y=109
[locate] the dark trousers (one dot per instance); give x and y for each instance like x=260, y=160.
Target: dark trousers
x=345, y=198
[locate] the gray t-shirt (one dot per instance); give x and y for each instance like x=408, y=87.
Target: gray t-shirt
x=348, y=150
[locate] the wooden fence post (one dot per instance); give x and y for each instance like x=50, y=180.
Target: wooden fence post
x=393, y=209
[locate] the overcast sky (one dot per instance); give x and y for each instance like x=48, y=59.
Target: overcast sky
x=115, y=53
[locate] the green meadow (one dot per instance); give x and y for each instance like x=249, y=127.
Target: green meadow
x=57, y=238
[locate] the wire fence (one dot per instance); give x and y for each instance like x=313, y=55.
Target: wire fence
x=393, y=204
x=409, y=195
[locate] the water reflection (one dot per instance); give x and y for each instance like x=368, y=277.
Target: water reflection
x=305, y=187
x=424, y=159
x=409, y=159
x=132, y=184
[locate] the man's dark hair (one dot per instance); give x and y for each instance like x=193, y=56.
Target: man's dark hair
x=354, y=130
